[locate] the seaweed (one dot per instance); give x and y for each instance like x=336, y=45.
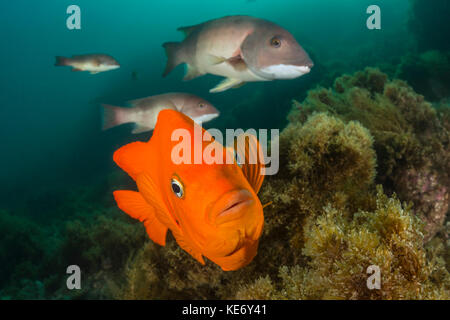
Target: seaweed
x=20, y=241
x=341, y=247
x=411, y=141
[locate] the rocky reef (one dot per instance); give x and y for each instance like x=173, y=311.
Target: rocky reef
x=411, y=138
x=363, y=181
x=337, y=224
x=340, y=248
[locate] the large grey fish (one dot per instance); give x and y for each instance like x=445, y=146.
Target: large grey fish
x=144, y=112
x=240, y=48
x=94, y=63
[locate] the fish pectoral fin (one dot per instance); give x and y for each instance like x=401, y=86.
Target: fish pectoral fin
x=226, y=84
x=238, y=85
x=187, y=247
x=252, y=158
x=237, y=63
x=76, y=70
x=149, y=189
x=191, y=73
x=139, y=129
x=133, y=204
x=213, y=60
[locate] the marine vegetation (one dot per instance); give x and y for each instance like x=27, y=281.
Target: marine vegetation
x=411, y=140
x=341, y=246
x=328, y=221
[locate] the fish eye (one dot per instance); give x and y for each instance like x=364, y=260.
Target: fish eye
x=275, y=42
x=177, y=187
x=201, y=105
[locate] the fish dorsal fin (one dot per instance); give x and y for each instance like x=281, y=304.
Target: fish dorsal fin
x=226, y=84
x=251, y=155
x=140, y=102
x=133, y=204
x=187, y=30
x=133, y=158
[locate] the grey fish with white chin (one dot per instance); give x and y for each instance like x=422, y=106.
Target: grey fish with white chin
x=239, y=48
x=144, y=112
x=94, y=63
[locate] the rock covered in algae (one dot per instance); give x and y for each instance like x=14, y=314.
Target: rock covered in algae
x=337, y=225
x=321, y=161
x=341, y=246
x=412, y=142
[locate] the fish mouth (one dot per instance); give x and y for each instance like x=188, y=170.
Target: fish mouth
x=287, y=71
x=231, y=206
x=205, y=118
x=111, y=66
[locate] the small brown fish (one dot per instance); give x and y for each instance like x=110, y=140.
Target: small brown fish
x=144, y=112
x=239, y=48
x=94, y=63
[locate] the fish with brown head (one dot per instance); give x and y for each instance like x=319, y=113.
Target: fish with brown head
x=239, y=48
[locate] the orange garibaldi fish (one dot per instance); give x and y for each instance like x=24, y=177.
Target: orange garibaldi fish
x=212, y=209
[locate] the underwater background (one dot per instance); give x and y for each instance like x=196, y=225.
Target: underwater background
x=364, y=146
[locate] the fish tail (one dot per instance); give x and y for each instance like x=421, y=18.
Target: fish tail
x=112, y=116
x=61, y=61
x=173, y=56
